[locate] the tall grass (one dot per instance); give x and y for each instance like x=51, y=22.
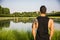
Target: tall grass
x=56, y=35
x=22, y=35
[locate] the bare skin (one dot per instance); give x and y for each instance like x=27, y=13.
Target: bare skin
x=50, y=27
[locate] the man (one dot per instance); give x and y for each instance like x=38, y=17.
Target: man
x=43, y=27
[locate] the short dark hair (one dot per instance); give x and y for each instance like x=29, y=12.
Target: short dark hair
x=43, y=9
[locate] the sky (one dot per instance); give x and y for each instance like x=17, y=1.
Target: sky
x=30, y=5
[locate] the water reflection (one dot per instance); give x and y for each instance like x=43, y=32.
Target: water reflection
x=4, y=23
x=57, y=26
x=28, y=26
x=20, y=24
x=23, y=19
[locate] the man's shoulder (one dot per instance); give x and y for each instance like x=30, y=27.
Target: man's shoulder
x=51, y=20
x=35, y=20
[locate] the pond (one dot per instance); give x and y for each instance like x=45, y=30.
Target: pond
x=11, y=25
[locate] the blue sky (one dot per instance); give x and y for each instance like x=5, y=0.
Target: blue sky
x=30, y=5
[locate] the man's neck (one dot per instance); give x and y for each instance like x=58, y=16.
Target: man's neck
x=43, y=15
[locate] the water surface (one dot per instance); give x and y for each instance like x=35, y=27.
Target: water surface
x=26, y=26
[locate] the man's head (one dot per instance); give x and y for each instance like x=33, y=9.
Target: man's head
x=43, y=9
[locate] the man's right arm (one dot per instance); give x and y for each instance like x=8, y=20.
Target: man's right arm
x=34, y=27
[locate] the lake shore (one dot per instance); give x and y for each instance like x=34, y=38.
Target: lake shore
x=26, y=19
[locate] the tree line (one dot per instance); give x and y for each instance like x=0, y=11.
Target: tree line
x=5, y=12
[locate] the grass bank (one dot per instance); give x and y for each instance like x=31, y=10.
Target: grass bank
x=22, y=35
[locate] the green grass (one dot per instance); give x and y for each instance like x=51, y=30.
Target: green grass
x=56, y=35
x=22, y=35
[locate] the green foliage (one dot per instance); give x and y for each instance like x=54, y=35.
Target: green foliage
x=0, y=10
x=54, y=14
x=4, y=23
x=24, y=19
x=15, y=35
x=25, y=14
x=56, y=35
x=22, y=35
x=5, y=12
x=6, y=15
x=57, y=20
x=7, y=35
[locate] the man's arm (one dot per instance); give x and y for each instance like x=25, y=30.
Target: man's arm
x=34, y=27
x=51, y=28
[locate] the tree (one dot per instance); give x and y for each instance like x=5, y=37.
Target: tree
x=0, y=10
x=5, y=11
